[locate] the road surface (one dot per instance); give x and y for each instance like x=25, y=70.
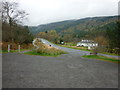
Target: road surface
x=66, y=71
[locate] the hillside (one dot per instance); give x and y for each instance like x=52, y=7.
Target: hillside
x=75, y=26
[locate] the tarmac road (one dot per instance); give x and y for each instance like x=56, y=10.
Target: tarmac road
x=66, y=71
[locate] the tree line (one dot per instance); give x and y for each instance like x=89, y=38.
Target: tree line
x=12, y=29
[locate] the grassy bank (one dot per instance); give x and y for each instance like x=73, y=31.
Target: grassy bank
x=101, y=58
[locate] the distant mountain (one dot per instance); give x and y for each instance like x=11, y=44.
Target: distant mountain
x=72, y=26
x=58, y=26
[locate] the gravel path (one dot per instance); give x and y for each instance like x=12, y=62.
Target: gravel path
x=66, y=71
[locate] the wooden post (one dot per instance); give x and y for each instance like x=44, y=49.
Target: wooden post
x=8, y=48
x=18, y=48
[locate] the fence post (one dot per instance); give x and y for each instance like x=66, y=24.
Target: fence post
x=8, y=48
x=18, y=48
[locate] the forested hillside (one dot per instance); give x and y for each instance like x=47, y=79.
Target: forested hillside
x=71, y=26
x=104, y=30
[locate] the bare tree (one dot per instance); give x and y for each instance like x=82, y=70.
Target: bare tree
x=101, y=40
x=11, y=12
x=12, y=15
x=102, y=43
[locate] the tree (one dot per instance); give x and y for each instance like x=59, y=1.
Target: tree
x=6, y=36
x=102, y=41
x=46, y=31
x=113, y=33
x=51, y=35
x=12, y=15
x=67, y=37
x=23, y=35
x=102, y=44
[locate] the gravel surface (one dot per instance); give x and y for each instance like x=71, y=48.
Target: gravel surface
x=65, y=71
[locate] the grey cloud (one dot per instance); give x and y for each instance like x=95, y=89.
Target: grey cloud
x=46, y=11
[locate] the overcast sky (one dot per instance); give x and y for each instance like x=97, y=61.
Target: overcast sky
x=47, y=11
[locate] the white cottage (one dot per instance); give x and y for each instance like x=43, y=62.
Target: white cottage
x=87, y=43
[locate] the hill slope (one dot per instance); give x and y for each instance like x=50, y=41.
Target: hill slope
x=71, y=26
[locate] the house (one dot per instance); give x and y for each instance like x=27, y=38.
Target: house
x=87, y=43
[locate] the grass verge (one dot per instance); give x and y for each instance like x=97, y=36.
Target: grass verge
x=99, y=57
x=74, y=47
x=6, y=51
x=11, y=51
x=78, y=48
x=110, y=53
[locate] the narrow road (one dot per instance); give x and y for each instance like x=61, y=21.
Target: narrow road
x=74, y=51
x=65, y=71
x=71, y=51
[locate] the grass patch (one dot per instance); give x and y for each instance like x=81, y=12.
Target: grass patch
x=78, y=48
x=54, y=54
x=74, y=47
x=6, y=51
x=102, y=58
x=110, y=53
x=11, y=51
x=3, y=51
x=70, y=44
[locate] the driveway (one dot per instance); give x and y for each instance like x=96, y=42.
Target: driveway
x=66, y=71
